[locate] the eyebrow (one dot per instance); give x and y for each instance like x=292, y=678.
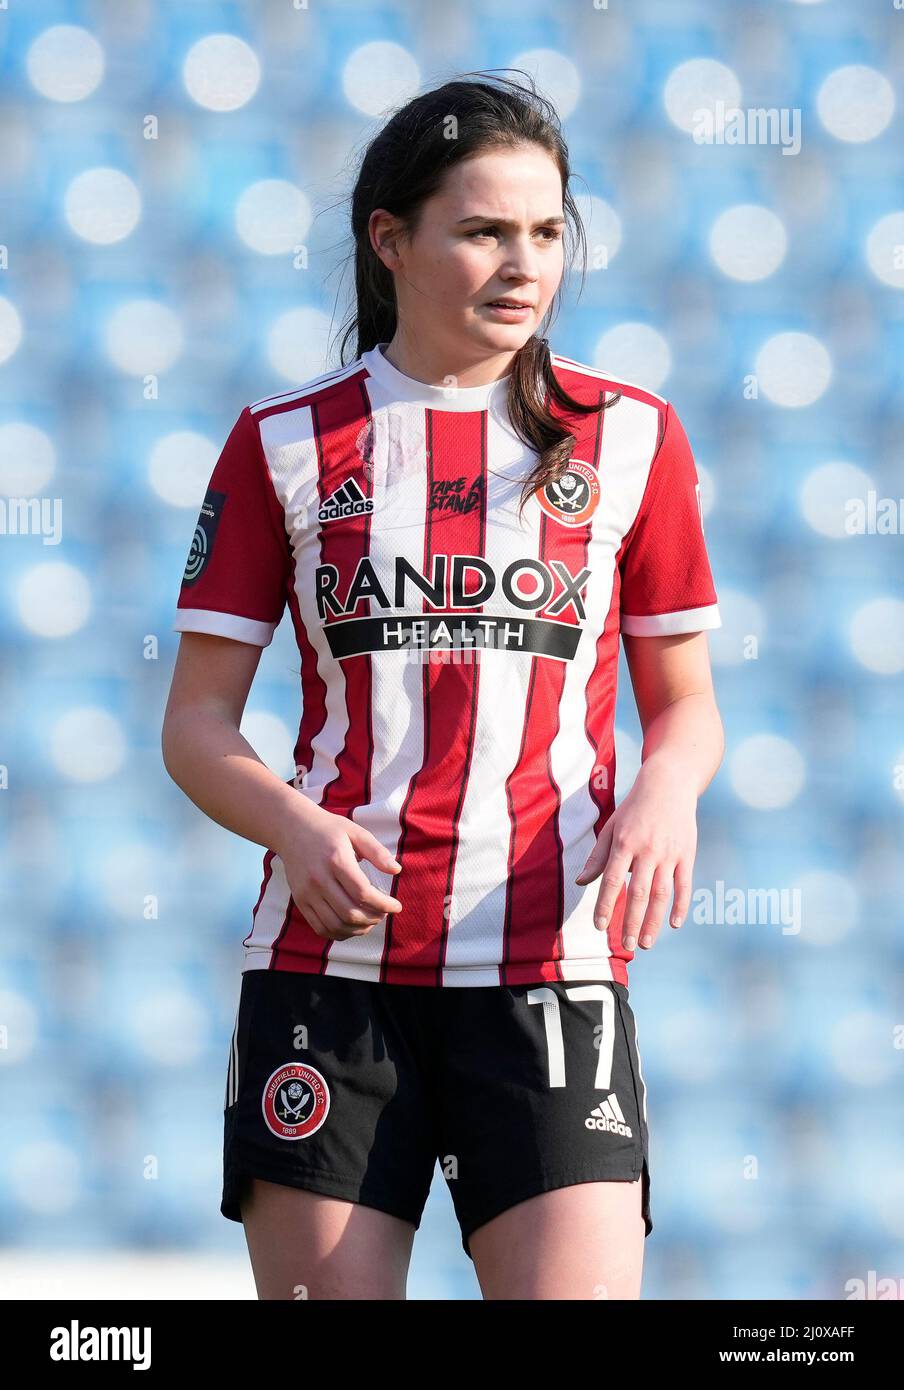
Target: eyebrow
x=503, y=222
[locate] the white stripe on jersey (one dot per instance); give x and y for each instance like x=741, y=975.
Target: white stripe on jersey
x=226, y=625
x=269, y=918
x=664, y=624
x=300, y=393
x=396, y=712
x=567, y=364
x=485, y=823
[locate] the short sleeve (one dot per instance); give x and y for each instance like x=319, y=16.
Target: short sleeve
x=666, y=582
x=239, y=563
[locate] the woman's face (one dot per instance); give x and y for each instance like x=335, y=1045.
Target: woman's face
x=493, y=230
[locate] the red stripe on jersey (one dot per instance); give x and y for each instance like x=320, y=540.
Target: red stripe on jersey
x=536, y=890
x=574, y=381
x=415, y=943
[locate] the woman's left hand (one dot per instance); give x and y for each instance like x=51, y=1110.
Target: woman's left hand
x=652, y=834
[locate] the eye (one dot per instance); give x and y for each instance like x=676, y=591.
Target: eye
x=549, y=233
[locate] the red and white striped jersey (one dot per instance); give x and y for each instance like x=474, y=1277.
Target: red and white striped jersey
x=458, y=663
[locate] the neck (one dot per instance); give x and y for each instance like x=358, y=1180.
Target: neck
x=444, y=366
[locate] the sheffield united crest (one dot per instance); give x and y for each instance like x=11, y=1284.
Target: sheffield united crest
x=296, y=1101
x=573, y=498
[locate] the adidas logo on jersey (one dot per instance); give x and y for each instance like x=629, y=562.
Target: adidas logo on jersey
x=608, y=1116
x=347, y=500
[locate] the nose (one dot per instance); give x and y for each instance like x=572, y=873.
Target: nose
x=521, y=262
x=519, y=271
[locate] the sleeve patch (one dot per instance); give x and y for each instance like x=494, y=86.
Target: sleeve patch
x=205, y=534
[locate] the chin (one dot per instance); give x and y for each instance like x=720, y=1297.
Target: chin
x=505, y=337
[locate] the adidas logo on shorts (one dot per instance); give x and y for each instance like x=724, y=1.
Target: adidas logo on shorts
x=608, y=1116
x=347, y=500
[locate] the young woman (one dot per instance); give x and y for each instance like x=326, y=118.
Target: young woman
x=461, y=524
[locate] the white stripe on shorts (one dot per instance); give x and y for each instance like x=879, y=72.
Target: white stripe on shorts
x=232, y=1070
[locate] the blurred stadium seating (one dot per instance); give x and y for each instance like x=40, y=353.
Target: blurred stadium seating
x=172, y=223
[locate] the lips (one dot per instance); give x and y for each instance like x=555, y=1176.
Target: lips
x=507, y=304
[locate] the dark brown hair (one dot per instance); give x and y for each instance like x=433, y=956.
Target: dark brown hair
x=403, y=166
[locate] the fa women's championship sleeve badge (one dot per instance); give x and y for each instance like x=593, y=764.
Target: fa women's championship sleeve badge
x=296, y=1101
x=573, y=498
x=205, y=534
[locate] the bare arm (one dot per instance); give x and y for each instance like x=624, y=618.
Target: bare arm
x=207, y=756
x=673, y=688
x=653, y=832
x=210, y=759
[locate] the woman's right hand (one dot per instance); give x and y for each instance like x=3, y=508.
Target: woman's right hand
x=320, y=856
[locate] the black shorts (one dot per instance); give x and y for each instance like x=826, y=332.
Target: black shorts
x=355, y=1089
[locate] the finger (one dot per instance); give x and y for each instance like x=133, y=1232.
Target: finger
x=642, y=871
x=351, y=911
x=324, y=920
x=367, y=846
x=684, y=873
x=660, y=896
x=359, y=893
x=355, y=883
x=598, y=855
x=617, y=866
x=334, y=928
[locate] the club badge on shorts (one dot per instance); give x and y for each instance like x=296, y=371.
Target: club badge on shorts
x=296, y=1101
x=573, y=498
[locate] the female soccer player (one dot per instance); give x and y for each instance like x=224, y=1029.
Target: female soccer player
x=461, y=523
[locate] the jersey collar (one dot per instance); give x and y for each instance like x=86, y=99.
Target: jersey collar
x=406, y=388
